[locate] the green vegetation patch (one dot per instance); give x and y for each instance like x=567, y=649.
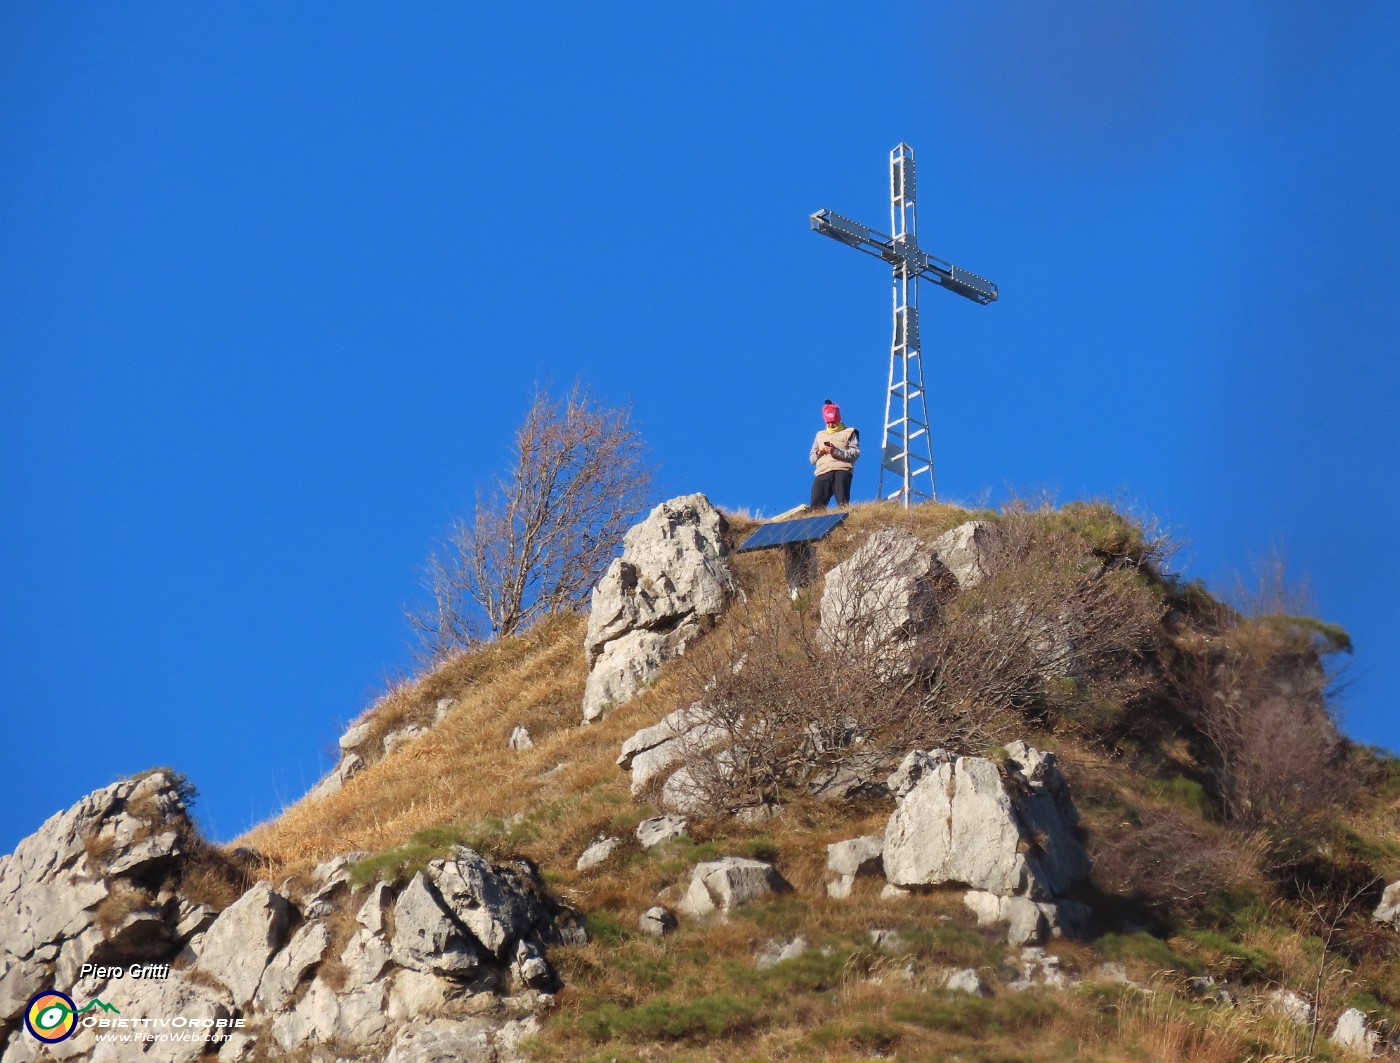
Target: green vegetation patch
x=1183, y=792
x=494, y=837
x=665, y=1018
x=1147, y=949
x=1234, y=959
x=605, y=928
x=975, y=1017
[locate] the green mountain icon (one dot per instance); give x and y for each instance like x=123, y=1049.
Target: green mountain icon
x=98, y=1003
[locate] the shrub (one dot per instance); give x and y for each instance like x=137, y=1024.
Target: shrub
x=1171, y=859
x=785, y=706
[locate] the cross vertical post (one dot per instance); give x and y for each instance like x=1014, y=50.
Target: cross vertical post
x=906, y=450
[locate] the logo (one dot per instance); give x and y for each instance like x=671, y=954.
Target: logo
x=51, y=1016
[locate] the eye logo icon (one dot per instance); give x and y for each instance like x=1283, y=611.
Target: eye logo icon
x=50, y=1016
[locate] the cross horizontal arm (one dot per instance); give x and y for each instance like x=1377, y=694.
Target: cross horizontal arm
x=897, y=252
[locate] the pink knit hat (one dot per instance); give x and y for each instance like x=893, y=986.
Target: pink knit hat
x=831, y=413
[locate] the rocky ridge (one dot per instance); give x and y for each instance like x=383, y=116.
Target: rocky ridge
x=451, y=963
x=101, y=888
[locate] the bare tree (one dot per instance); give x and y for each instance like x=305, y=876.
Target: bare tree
x=539, y=539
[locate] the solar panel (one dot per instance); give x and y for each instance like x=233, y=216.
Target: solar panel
x=802, y=530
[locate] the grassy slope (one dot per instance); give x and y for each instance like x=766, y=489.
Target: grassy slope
x=696, y=994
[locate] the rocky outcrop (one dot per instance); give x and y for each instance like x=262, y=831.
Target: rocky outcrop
x=1388, y=911
x=463, y=939
x=672, y=579
x=875, y=601
x=719, y=885
x=657, y=921
x=967, y=552
x=237, y=948
x=1010, y=837
x=94, y=881
x=661, y=829
x=1029, y=922
x=657, y=756
x=597, y=853
x=776, y=952
x=1292, y=1005
x=848, y=860
x=1354, y=1031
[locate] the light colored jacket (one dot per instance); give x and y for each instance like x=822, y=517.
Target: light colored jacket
x=846, y=442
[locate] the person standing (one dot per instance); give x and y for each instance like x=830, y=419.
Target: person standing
x=834, y=453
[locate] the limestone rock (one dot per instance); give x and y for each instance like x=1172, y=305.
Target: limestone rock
x=874, y=601
x=355, y=736
x=170, y=996
x=1354, y=1031
x=55, y=878
x=498, y=904
x=403, y=735
x=1029, y=922
x=776, y=952
x=719, y=885
x=661, y=829
x=349, y=766
x=673, y=577
x=520, y=739
x=1388, y=911
x=366, y=955
x=530, y=966
x=355, y=1016
x=303, y=952
x=413, y=994
x=659, y=753
x=596, y=853
x=241, y=941
x=238, y=1048
x=966, y=981
x=966, y=552
x=443, y=1041
x=1035, y=967
x=848, y=860
x=311, y=1020
x=956, y=821
x=859, y=856
x=1292, y=1006
x=426, y=936
x=657, y=921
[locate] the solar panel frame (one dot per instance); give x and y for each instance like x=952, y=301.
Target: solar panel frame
x=801, y=530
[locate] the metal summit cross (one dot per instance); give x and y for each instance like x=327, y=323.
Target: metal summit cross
x=907, y=451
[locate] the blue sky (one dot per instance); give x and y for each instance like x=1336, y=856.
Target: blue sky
x=277, y=281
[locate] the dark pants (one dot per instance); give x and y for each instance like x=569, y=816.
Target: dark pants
x=827, y=484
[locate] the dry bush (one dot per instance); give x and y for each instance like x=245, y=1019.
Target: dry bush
x=1256, y=692
x=123, y=900
x=786, y=700
x=1055, y=623
x=541, y=538
x=1173, y=860
x=776, y=709
x=209, y=876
